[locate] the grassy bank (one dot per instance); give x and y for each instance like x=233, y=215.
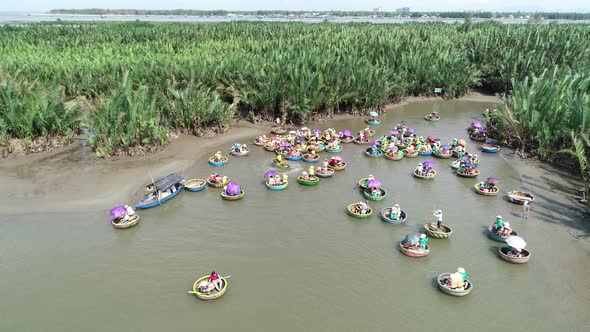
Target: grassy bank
x=143, y=80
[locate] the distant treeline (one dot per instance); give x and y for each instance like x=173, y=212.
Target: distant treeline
x=191, y=12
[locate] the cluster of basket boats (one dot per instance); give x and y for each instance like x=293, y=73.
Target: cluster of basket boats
x=305, y=145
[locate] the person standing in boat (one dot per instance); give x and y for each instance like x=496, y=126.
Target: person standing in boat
x=420, y=169
x=326, y=164
x=130, y=212
x=526, y=208
x=439, y=218
x=311, y=171
x=423, y=241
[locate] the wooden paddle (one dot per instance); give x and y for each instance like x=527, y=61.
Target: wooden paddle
x=193, y=292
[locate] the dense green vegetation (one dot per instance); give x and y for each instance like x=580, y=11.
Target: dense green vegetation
x=143, y=80
x=194, y=12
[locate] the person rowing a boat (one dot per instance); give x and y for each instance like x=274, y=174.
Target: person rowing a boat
x=211, y=283
x=439, y=218
x=433, y=115
x=498, y=225
x=333, y=162
x=423, y=241
x=217, y=156
x=311, y=171
x=362, y=207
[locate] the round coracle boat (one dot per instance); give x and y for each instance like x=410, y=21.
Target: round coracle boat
x=311, y=182
x=217, y=184
x=375, y=122
x=240, y=153
x=519, y=197
x=477, y=138
x=380, y=197
x=357, y=141
x=493, y=192
x=347, y=139
x=336, y=150
x=311, y=158
x=468, y=175
x=340, y=166
x=281, y=164
x=429, y=118
x=227, y=197
x=447, y=155
x=363, y=183
x=492, y=235
x=386, y=216
x=221, y=162
x=214, y=294
x=316, y=147
x=412, y=154
x=443, y=283
x=426, y=177
x=270, y=147
x=490, y=148
x=327, y=174
x=195, y=185
x=425, y=153
x=414, y=251
x=279, y=130
x=505, y=254
x=120, y=223
x=377, y=153
x=294, y=158
x=352, y=212
x=396, y=156
x=276, y=187
x=443, y=233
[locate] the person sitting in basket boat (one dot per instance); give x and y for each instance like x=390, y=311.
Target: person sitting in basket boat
x=237, y=147
x=311, y=171
x=375, y=192
x=208, y=285
x=272, y=181
x=498, y=224
x=433, y=115
x=214, y=177
x=514, y=252
x=277, y=180
x=130, y=213
x=423, y=242
x=362, y=207
x=333, y=162
x=420, y=169
x=305, y=176
x=325, y=166
x=395, y=213
x=217, y=156
x=506, y=230
x=279, y=158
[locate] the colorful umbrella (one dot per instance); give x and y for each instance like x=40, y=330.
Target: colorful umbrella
x=373, y=114
x=374, y=183
x=394, y=132
x=317, y=130
x=482, y=130
x=428, y=163
x=446, y=147
x=476, y=124
x=118, y=211
x=338, y=158
x=373, y=143
x=270, y=173
x=286, y=144
x=233, y=188
x=493, y=180
x=516, y=242
x=411, y=130
x=346, y=133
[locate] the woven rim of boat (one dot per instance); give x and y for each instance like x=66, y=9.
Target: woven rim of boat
x=204, y=296
x=217, y=184
x=397, y=157
x=240, y=154
x=427, y=118
x=378, y=198
x=133, y=220
x=339, y=149
x=410, y=155
x=278, y=130
x=490, y=147
x=521, y=195
x=424, y=176
x=362, y=183
x=341, y=167
x=233, y=197
x=358, y=215
x=222, y=160
x=443, y=156
x=373, y=123
x=512, y=259
x=485, y=193
x=428, y=229
x=370, y=155
x=305, y=157
x=301, y=180
x=356, y=141
x=282, y=164
x=418, y=253
x=327, y=174
x=280, y=186
x=389, y=220
x=195, y=183
x=468, y=175
x=449, y=290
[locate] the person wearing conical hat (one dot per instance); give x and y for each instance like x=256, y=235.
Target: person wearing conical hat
x=499, y=223
x=439, y=218
x=423, y=241
x=280, y=158
x=463, y=274
x=420, y=169
x=311, y=171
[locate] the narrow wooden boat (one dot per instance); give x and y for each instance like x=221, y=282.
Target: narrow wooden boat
x=154, y=199
x=453, y=291
x=434, y=232
x=195, y=185
x=414, y=252
x=240, y=154
x=357, y=141
x=347, y=139
x=338, y=149
x=490, y=148
x=315, y=180
x=519, y=197
x=412, y=154
x=283, y=164
x=428, y=118
x=505, y=255
x=394, y=157
x=222, y=161
x=340, y=167
x=122, y=224
x=485, y=193
x=294, y=158
x=308, y=158
x=277, y=187
x=443, y=156
x=363, y=183
x=217, y=184
x=382, y=194
x=327, y=174
x=425, y=153
x=209, y=296
x=424, y=176
x=468, y=175
x=233, y=197
x=378, y=153
x=385, y=216
x=358, y=215
x=497, y=237
x=373, y=123
x=279, y=130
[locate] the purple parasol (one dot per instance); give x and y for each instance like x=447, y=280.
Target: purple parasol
x=493, y=180
x=446, y=147
x=476, y=124
x=373, y=143
x=482, y=130
x=394, y=132
x=374, y=183
x=346, y=133
x=269, y=173
x=286, y=144
x=428, y=163
x=411, y=130
x=233, y=188
x=317, y=130
x=338, y=158
x=118, y=211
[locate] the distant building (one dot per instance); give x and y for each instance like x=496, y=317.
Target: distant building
x=403, y=10
x=376, y=10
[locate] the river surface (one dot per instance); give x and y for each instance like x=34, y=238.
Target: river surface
x=23, y=17
x=297, y=261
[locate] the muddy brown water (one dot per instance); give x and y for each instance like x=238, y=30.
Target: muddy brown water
x=297, y=261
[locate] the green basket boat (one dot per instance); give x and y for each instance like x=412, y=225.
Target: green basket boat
x=382, y=195
x=358, y=215
x=308, y=182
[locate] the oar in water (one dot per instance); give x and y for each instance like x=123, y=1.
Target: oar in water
x=193, y=292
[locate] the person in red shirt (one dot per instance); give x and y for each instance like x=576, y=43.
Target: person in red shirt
x=215, y=280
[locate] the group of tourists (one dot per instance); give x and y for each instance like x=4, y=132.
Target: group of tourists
x=501, y=228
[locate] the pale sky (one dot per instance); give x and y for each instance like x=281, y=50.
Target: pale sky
x=416, y=5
